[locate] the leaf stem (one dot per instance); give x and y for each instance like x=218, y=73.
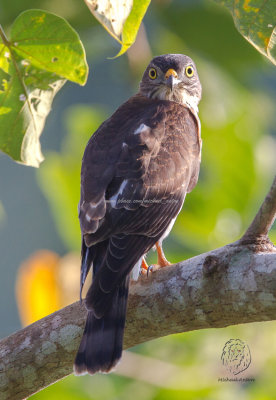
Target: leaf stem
x=3, y=36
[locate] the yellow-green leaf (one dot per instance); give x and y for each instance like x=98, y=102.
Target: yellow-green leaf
x=256, y=21
x=121, y=19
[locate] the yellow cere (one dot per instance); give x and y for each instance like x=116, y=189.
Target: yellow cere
x=171, y=72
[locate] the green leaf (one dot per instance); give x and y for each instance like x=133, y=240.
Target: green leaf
x=255, y=19
x=121, y=19
x=132, y=24
x=42, y=52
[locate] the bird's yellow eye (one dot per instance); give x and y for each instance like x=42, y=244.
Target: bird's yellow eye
x=152, y=73
x=189, y=71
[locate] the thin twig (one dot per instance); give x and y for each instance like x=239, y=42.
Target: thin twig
x=264, y=219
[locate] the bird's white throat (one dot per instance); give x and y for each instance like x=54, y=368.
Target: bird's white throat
x=177, y=95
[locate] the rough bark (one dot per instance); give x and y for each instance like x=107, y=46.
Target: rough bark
x=230, y=285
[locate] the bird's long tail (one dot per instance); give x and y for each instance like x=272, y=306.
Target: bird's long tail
x=102, y=342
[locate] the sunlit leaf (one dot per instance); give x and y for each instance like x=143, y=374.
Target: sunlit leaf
x=255, y=19
x=120, y=19
x=42, y=52
x=112, y=14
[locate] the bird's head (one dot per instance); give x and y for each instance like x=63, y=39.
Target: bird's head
x=172, y=77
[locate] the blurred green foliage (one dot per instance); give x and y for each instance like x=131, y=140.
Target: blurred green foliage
x=256, y=22
x=208, y=31
x=238, y=161
x=2, y=213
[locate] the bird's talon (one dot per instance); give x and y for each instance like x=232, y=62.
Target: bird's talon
x=144, y=267
x=153, y=268
x=150, y=268
x=143, y=271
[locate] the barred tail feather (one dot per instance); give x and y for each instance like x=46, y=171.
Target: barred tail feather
x=102, y=342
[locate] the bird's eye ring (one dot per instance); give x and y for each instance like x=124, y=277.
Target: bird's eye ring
x=152, y=73
x=189, y=71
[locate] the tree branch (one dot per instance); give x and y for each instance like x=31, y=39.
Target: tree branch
x=231, y=285
x=264, y=219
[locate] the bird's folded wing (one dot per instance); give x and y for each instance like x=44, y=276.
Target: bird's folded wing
x=146, y=164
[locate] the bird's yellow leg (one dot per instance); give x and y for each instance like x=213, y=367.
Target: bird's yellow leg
x=144, y=267
x=161, y=260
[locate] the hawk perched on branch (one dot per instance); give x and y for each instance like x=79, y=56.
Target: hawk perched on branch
x=136, y=171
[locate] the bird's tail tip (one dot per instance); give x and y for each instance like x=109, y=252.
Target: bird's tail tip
x=80, y=369
x=97, y=353
x=101, y=345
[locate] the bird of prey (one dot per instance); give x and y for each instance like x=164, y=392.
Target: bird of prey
x=136, y=171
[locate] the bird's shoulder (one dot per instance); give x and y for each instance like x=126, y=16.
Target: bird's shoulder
x=139, y=106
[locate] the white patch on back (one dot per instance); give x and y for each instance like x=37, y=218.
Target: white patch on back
x=113, y=199
x=90, y=210
x=87, y=217
x=141, y=128
x=93, y=205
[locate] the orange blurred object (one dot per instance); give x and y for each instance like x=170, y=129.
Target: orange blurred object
x=45, y=283
x=37, y=290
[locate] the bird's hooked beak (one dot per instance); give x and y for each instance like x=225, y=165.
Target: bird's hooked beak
x=171, y=78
